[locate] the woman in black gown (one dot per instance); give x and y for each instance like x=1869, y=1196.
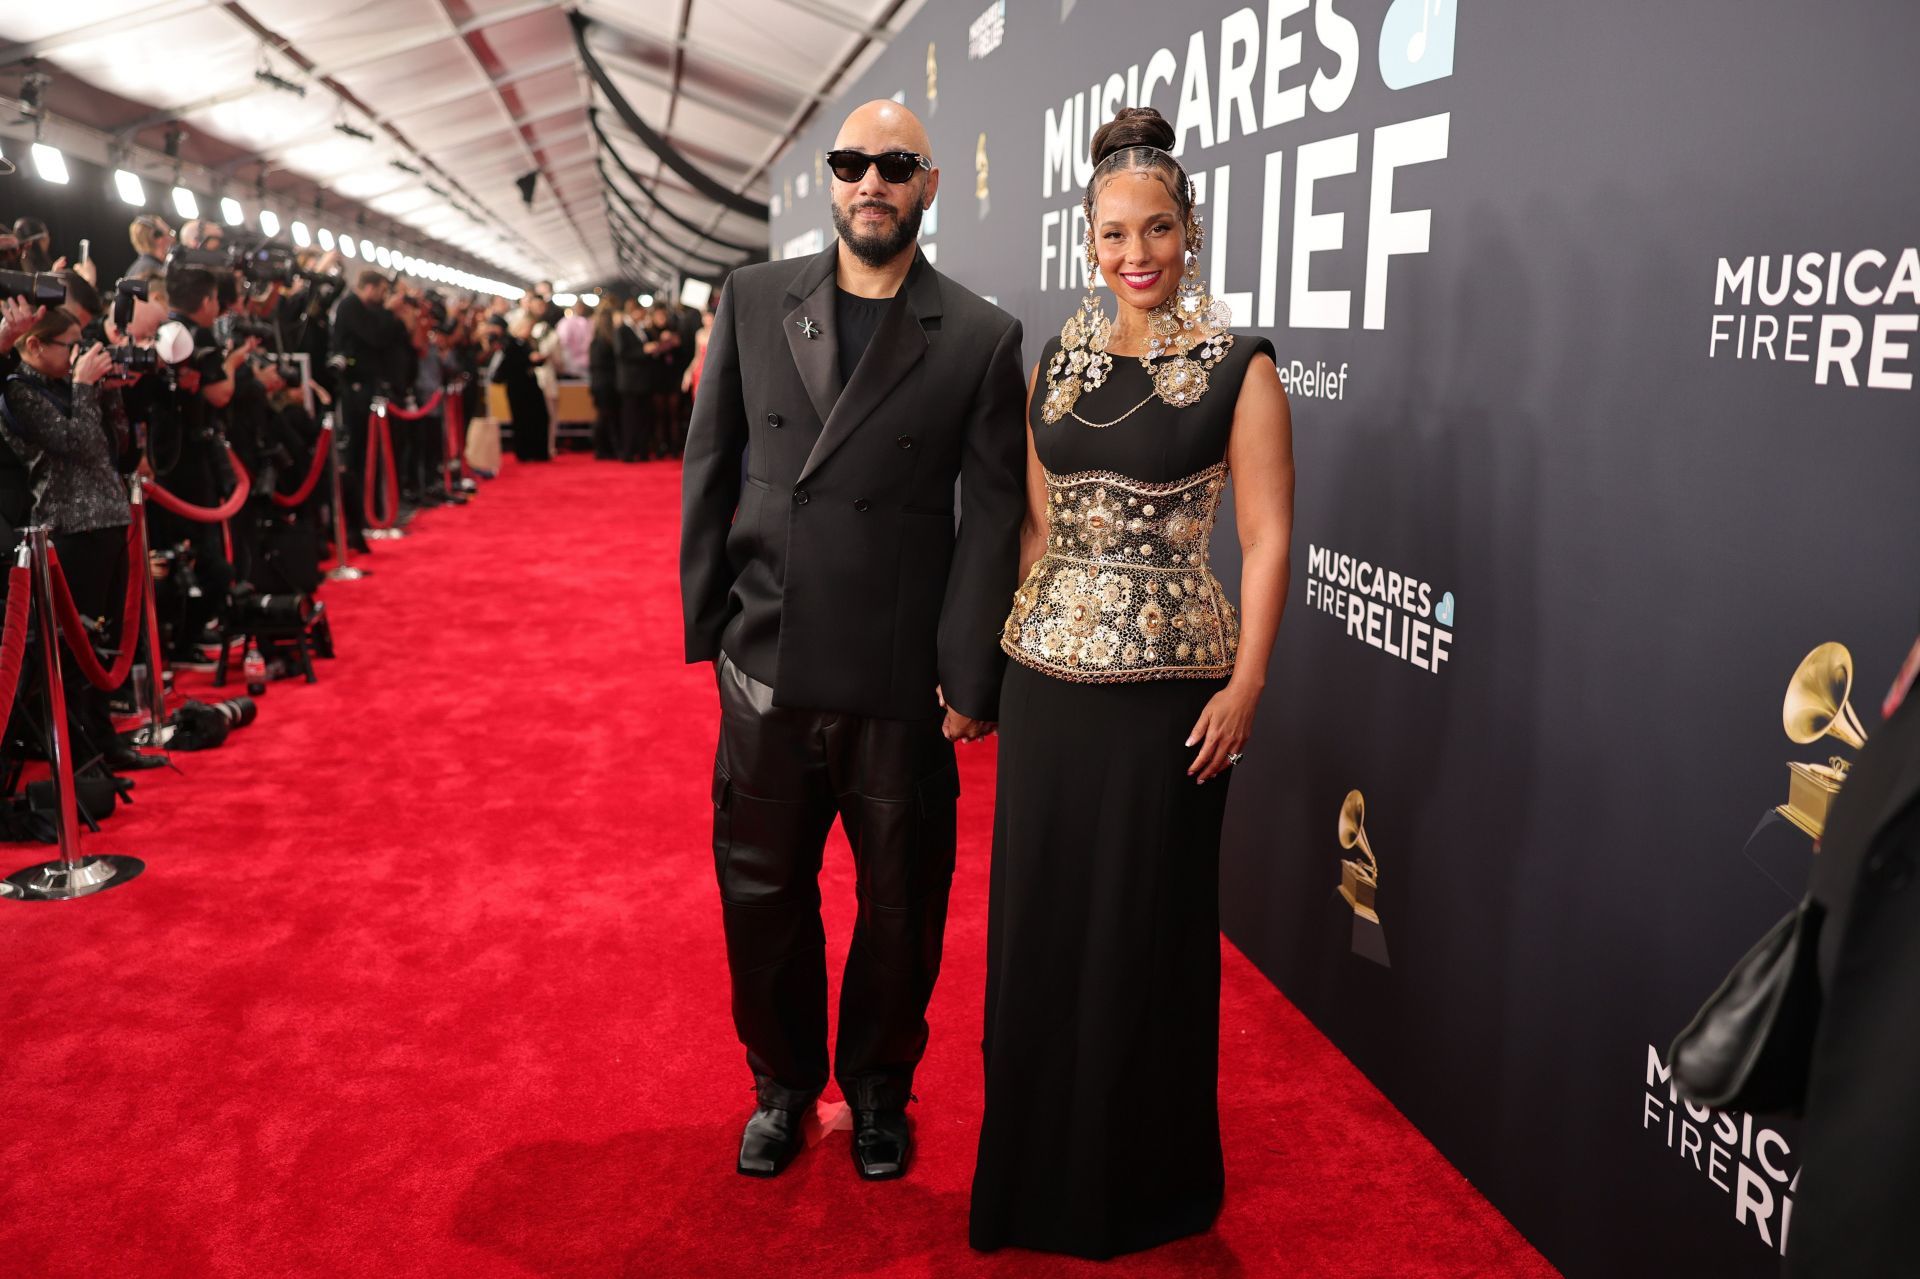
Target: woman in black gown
x=1131, y=694
x=513, y=367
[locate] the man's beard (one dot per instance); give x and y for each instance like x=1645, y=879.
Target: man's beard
x=880, y=249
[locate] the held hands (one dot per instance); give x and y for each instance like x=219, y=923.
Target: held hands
x=1223, y=728
x=962, y=728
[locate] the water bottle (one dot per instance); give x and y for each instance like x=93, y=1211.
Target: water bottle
x=255, y=669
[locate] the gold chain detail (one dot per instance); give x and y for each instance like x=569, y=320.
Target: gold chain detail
x=1101, y=426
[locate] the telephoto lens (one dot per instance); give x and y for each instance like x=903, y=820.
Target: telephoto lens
x=238, y=711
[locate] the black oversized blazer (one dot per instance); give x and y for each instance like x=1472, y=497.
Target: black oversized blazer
x=818, y=544
x=1860, y=1144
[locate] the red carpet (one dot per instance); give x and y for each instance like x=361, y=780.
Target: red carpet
x=425, y=978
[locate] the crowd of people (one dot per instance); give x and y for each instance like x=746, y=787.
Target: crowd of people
x=186, y=371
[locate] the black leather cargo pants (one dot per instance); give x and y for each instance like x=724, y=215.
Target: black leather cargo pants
x=779, y=778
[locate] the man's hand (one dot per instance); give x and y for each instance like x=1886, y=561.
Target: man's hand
x=959, y=728
x=962, y=728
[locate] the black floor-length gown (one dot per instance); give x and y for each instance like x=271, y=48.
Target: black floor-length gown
x=1101, y=1134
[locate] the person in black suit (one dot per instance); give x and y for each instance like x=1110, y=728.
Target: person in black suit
x=823, y=574
x=603, y=380
x=1860, y=1145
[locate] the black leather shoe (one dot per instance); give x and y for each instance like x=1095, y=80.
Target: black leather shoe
x=771, y=1139
x=882, y=1144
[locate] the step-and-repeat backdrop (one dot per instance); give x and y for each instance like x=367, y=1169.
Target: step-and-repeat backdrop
x=1599, y=325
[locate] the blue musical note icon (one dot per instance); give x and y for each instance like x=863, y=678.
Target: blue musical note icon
x=1416, y=42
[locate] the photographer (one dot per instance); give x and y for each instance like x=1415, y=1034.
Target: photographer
x=366, y=332
x=188, y=446
x=152, y=239
x=70, y=432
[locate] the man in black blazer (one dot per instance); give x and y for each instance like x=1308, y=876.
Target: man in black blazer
x=854, y=630
x=1860, y=1145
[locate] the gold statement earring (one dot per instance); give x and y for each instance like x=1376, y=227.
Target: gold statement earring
x=1082, y=362
x=1191, y=327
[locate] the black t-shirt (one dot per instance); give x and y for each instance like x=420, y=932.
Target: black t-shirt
x=858, y=319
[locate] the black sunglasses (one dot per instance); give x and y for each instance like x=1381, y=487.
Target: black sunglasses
x=895, y=166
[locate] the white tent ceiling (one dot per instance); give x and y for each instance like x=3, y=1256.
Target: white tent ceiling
x=473, y=94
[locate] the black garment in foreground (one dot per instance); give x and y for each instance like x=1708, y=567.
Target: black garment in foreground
x=1859, y=1144
x=1102, y=1131
x=780, y=776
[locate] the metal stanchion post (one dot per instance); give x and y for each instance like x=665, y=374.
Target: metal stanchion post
x=454, y=392
x=341, y=570
x=395, y=533
x=155, y=694
x=72, y=875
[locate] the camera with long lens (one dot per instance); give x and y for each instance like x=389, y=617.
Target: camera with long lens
x=259, y=264
x=271, y=614
x=36, y=286
x=289, y=370
x=133, y=359
x=125, y=294
x=237, y=711
x=231, y=329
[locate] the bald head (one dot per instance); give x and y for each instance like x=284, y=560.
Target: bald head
x=877, y=220
x=883, y=125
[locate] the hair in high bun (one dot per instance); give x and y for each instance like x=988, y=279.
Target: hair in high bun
x=1138, y=139
x=1132, y=127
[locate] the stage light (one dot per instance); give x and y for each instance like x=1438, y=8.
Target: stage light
x=128, y=184
x=366, y=250
x=326, y=240
x=269, y=223
x=300, y=235
x=591, y=299
x=230, y=210
x=565, y=299
x=49, y=163
x=383, y=255
x=184, y=204
x=346, y=246
x=646, y=299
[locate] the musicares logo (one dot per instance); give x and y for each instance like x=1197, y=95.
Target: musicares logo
x=1751, y=1163
x=1875, y=350
x=1386, y=609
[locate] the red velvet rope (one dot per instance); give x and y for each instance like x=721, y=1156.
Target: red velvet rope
x=13, y=648
x=379, y=454
x=79, y=641
x=322, y=451
x=209, y=514
x=408, y=415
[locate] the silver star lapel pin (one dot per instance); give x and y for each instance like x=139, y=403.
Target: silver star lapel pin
x=808, y=327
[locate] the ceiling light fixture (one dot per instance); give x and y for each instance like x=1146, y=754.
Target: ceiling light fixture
x=129, y=187
x=49, y=163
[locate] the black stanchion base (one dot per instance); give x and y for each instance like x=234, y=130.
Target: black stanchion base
x=56, y=881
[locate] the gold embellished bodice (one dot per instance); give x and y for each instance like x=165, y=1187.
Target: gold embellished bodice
x=1124, y=591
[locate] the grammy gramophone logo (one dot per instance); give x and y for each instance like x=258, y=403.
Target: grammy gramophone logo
x=1816, y=707
x=933, y=81
x=1360, y=880
x=980, y=173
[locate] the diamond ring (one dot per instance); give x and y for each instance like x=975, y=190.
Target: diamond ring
x=1233, y=757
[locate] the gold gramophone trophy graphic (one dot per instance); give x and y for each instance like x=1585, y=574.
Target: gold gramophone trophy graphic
x=980, y=174
x=933, y=81
x=1816, y=707
x=1359, y=879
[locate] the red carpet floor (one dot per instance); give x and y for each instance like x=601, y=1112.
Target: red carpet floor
x=425, y=978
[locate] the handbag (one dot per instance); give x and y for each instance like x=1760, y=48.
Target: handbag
x=1750, y=1045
